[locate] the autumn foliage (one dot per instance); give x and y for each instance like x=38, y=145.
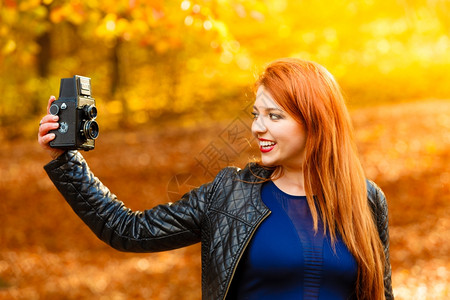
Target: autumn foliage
x=172, y=81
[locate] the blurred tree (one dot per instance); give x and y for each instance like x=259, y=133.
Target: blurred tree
x=173, y=58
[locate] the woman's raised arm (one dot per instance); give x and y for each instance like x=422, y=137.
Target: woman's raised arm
x=161, y=228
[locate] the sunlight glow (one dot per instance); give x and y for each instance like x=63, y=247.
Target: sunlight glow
x=207, y=25
x=110, y=25
x=226, y=57
x=196, y=8
x=188, y=21
x=185, y=5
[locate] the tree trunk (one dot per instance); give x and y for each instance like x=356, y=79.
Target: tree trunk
x=118, y=78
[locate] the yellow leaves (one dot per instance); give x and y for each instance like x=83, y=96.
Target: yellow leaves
x=114, y=107
x=109, y=28
x=122, y=26
x=284, y=31
x=193, y=64
x=229, y=50
x=72, y=12
x=139, y=26
x=221, y=28
x=9, y=47
x=161, y=46
x=277, y=6
x=214, y=38
x=244, y=61
x=40, y=12
x=330, y=35
x=226, y=57
x=57, y=15
x=9, y=16
x=29, y=4
x=308, y=37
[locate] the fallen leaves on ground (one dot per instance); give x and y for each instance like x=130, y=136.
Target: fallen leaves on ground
x=48, y=253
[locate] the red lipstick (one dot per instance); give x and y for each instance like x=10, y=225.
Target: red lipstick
x=266, y=145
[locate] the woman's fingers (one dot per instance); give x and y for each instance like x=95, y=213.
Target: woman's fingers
x=44, y=137
x=49, y=119
x=45, y=127
x=48, y=122
x=47, y=138
x=50, y=101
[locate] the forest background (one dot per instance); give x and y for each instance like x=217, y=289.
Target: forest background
x=173, y=83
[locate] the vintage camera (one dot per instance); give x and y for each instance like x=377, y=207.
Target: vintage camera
x=77, y=112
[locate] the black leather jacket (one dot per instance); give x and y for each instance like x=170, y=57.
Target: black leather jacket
x=223, y=215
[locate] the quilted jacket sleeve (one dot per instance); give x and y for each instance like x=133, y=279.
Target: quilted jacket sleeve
x=161, y=228
x=379, y=207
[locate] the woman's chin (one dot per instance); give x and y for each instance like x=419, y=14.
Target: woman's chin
x=268, y=163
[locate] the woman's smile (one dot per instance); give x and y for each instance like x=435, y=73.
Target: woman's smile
x=266, y=145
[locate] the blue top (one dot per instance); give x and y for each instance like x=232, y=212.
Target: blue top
x=286, y=260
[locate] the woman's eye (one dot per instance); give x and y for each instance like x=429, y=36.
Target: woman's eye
x=255, y=115
x=273, y=116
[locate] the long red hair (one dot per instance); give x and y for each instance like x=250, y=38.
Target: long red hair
x=334, y=179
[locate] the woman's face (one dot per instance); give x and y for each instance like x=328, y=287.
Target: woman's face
x=281, y=139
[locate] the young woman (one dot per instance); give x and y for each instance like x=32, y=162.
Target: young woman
x=303, y=223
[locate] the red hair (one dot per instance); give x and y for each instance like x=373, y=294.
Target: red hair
x=334, y=179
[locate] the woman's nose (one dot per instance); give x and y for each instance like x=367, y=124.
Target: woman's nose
x=258, y=126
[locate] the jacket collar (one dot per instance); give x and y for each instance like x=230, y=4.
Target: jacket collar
x=257, y=172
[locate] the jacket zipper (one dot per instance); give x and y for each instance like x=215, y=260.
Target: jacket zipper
x=242, y=253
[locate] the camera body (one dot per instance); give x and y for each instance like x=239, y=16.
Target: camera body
x=77, y=112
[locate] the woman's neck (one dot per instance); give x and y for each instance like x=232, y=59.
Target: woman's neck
x=291, y=181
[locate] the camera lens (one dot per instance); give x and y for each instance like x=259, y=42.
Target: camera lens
x=90, y=111
x=90, y=129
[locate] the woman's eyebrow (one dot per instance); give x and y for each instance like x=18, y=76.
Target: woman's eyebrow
x=268, y=109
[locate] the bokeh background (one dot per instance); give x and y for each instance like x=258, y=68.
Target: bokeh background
x=173, y=83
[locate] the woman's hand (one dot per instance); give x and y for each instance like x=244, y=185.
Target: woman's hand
x=49, y=122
